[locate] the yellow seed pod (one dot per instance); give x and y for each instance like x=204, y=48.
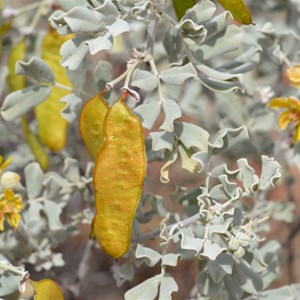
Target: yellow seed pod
x=238, y=9
x=118, y=179
x=91, y=124
x=52, y=127
x=47, y=289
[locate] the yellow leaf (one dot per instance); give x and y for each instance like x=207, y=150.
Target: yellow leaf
x=52, y=127
x=16, y=82
x=118, y=179
x=47, y=289
x=35, y=145
x=238, y=9
x=91, y=123
x=181, y=6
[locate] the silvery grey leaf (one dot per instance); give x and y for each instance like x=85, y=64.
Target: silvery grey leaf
x=147, y=255
x=271, y=172
x=148, y=113
x=73, y=52
x=244, y=62
x=34, y=210
x=53, y=184
x=232, y=288
x=207, y=287
x=218, y=81
x=177, y=75
x=190, y=242
x=144, y=80
x=284, y=292
x=147, y=290
x=67, y=4
x=220, y=43
x=172, y=112
x=192, y=29
x=108, y=9
x=211, y=250
x=100, y=43
x=227, y=138
x=118, y=27
x=247, y=175
x=34, y=177
x=71, y=169
x=102, y=73
x=124, y=273
x=202, y=158
x=170, y=259
x=20, y=102
x=36, y=69
x=250, y=281
x=53, y=211
x=167, y=286
x=72, y=108
x=83, y=20
x=218, y=23
x=191, y=135
x=162, y=140
x=201, y=12
x=9, y=282
x=173, y=44
x=220, y=267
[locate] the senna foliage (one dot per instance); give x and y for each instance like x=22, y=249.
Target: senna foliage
x=200, y=84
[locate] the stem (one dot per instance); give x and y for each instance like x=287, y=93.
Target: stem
x=170, y=227
x=112, y=83
x=155, y=72
x=10, y=268
x=38, y=14
x=27, y=7
x=130, y=71
x=64, y=87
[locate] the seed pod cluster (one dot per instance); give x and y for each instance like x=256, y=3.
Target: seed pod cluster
x=119, y=173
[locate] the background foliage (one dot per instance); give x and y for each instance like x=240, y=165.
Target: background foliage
x=211, y=224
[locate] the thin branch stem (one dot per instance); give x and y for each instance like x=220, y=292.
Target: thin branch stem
x=171, y=227
x=11, y=268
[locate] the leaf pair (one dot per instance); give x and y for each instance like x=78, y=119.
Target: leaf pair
x=116, y=139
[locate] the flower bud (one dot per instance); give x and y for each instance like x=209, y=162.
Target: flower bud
x=9, y=180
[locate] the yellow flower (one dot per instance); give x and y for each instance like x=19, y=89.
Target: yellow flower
x=3, y=165
x=10, y=206
x=290, y=115
x=293, y=74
